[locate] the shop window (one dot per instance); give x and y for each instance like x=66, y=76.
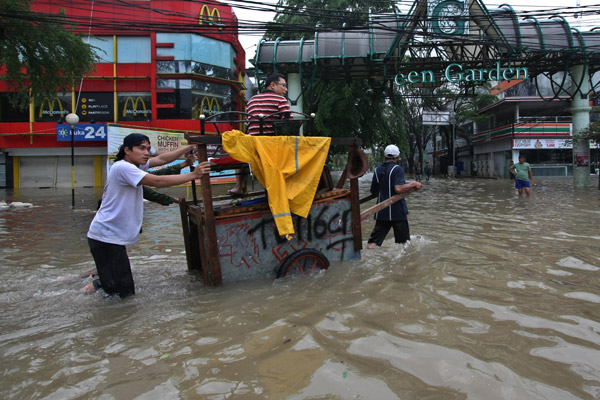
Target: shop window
x=212, y=70
x=175, y=103
x=187, y=99
x=559, y=156
x=134, y=49
x=197, y=48
x=173, y=67
x=134, y=106
x=10, y=113
x=53, y=109
x=181, y=67
x=104, y=48
x=209, y=104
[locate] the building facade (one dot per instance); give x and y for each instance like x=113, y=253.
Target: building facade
x=528, y=120
x=162, y=64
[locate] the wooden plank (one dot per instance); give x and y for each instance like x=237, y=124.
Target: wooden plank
x=342, y=180
x=237, y=211
x=387, y=202
x=194, y=210
x=214, y=261
x=204, y=258
x=356, y=225
x=332, y=194
x=185, y=225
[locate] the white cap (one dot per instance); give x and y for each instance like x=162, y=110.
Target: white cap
x=392, y=151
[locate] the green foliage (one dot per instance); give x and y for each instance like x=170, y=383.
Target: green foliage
x=298, y=18
x=344, y=108
x=592, y=132
x=40, y=54
x=352, y=109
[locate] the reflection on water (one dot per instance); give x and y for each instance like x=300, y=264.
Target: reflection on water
x=495, y=297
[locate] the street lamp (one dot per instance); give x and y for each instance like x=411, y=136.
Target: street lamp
x=72, y=119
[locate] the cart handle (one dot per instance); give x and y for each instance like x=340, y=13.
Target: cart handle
x=387, y=202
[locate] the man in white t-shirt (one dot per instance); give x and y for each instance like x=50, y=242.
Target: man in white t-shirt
x=119, y=219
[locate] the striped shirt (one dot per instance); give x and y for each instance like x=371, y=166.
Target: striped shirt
x=267, y=103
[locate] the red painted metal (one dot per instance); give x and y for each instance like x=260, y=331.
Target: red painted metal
x=132, y=18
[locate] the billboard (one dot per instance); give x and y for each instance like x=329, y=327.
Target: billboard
x=160, y=140
x=163, y=142
x=542, y=144
x=83, y=132
x=443, y=118
x=96, y=106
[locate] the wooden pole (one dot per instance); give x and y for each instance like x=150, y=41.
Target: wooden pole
x=386, y=203
x=214, y=261
x=185, y=225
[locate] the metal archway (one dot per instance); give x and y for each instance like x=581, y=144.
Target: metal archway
x=434, y=34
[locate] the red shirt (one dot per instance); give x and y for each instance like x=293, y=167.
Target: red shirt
x=267, y=103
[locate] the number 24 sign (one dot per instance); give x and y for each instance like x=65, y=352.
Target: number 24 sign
x=83, y=132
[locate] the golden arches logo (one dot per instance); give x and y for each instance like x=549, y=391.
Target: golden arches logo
x=50, y=112
x=134, y=107
x=212, y=16
x=212, y=103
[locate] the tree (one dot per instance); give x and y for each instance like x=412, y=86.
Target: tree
x=343, y=108
x=40, y=53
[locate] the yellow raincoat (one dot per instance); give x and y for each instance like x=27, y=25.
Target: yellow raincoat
x=289, y=167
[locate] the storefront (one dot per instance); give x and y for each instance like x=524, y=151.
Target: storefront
x=144, y=79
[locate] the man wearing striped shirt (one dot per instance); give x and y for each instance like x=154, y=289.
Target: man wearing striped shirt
x=271, y=100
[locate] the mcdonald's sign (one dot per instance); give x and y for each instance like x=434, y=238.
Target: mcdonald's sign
x=211, y=17
x=55, y=108
x=209, y=105
x=135, y=109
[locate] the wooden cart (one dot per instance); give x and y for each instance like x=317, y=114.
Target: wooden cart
x=230, y=241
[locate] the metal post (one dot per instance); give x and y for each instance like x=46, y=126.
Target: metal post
x=72, y=165
x=294, y=82
x=580, y=111
x=453, y=122
x=72, y=119
x=454, y=144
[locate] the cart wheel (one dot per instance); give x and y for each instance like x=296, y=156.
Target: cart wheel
x=303, y=262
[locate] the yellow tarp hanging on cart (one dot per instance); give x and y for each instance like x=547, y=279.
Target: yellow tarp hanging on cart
x=289, y=167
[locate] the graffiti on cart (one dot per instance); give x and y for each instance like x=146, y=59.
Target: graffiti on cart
x=309, y=229
x=252, y=247
x=229, y=242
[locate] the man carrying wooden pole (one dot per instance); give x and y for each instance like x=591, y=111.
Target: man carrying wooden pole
x=388, y=181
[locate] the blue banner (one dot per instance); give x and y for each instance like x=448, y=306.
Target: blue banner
x=83, y=132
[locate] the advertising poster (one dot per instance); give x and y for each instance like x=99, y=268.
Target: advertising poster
x=542, y=144
x=163, y=142
x=582, y=159
x=160, y=140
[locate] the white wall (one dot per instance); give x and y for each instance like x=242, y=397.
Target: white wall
x=55, y=171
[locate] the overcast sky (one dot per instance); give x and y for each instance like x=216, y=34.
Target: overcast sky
x=249, y=41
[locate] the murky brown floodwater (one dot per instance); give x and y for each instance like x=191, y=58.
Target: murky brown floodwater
x=495, y=298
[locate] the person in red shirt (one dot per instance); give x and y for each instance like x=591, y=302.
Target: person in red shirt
x=272, y=100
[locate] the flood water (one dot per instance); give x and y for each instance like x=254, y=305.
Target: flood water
x=495, y=297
